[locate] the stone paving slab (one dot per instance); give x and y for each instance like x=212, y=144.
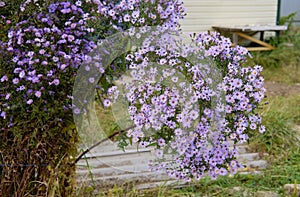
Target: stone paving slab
x=111, y=166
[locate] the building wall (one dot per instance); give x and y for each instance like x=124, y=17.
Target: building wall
x=290, y=6
x=202, y=14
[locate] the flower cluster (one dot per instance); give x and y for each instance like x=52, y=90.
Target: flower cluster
x=186, y=99
x=45, y=52
x=185, y=105
x=127, y=13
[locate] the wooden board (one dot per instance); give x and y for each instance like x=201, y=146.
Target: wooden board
x=247, y=32
x=250, y=28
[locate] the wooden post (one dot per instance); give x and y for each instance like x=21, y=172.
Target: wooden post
x=235, y=38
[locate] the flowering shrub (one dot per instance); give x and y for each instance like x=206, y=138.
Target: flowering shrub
x=184, y=99
x=41, y=55
x=191, y=107
x=187, y=100
x=125, y=14
x=42, y=46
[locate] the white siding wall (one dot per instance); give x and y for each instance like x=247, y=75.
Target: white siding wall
x=202, y=14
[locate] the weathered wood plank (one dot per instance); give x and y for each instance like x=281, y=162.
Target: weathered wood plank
x=250, y=28
x=270, y=47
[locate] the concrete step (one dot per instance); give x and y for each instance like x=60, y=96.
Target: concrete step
x=111, y=171
x=102, y=153
x=248, y=157
x=243, y=149
x=115, y=161
x=231, y=143
x=108, y=146
x=132, y=157
x=170, y=184
x=134, y=178
x=261, y=164
x=111, y=166
x=251, y=172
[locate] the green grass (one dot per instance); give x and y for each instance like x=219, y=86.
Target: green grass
x=283, y=63
x=107, y=121
x=273, y=179
x=287, y=74
x=280, y=116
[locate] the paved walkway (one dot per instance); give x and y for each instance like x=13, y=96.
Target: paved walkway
x=110, y=166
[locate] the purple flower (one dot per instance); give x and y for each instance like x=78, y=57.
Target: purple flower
x=44, y=63
x=4, y=78
x=16, y=80
x=78, y=3
x=159, y=153
x=22, y=74
x=63, y=66
x=55, y=59
x=111, y=12
x=30, y=54
x=38, y=94
x=136, y=14
x=66, y=10
x=22, y=87
x=262, y=129
x=161, y=142
x=92, y=80
x=3, y=114
x=181, y=112
x=7, y=96
x=71, y=38
x=223, y=171
x=76, y=111
x=106, y=103
x=194, y=114
x=29, y=102
x=126, y=17
x=53, y=7
x=178, y=132
x=2, y=4
x=55, y=82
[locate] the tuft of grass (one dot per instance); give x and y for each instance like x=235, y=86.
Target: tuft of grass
x=287, y=74
x=280, y=116
x=283, y=63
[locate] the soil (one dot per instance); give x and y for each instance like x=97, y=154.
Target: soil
x=279, y=89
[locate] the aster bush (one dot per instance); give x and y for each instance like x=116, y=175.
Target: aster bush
x=40, y=57
x=199, y=136
x=189, y=101
x=186, y=100
x=42, y=45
